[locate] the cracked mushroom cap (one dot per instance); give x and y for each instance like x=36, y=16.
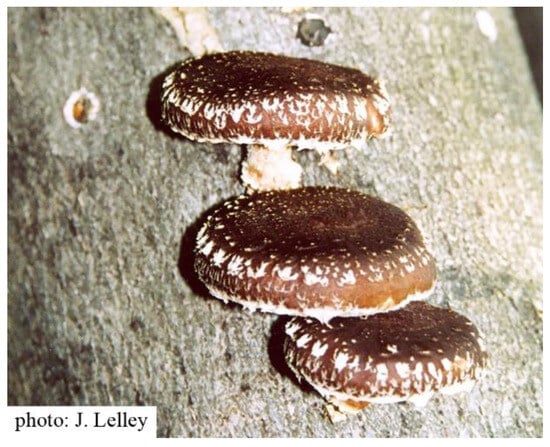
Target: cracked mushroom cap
x=260, y=98
x=401, y=355
x=313, y=251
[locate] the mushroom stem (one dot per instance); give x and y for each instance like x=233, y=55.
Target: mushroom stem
x=349, y=406
x=270, y=168
x=338, y=410
x=329, y=161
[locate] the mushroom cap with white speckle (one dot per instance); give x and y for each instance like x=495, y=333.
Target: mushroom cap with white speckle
x=387, y=357
x=261, y=98
x=313, y=251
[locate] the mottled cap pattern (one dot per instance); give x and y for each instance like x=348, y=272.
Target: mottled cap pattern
x=247, y=97
x=387, y=357
x=313, y=251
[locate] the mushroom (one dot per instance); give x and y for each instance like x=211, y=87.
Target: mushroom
x=313, y=251
x=273, y=103
x=404, y=355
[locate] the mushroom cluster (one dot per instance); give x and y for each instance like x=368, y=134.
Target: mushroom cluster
x=352, y=270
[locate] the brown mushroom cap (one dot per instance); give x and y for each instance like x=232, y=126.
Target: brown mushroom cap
x=313, y=251
x=389, y=357
x=260, y=98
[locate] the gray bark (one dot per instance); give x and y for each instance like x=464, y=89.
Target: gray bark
x=103, y=305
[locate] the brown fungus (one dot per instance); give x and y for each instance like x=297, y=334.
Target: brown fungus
x=403, y=355
x=313, y=251
x=273, y=103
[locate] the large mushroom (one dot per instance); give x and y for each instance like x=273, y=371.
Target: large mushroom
x=404, y=355
x=313, y=251
x=273, y=103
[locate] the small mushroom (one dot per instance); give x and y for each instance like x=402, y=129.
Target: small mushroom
x=273, y=103
x=404, y=355
x=313, y=251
